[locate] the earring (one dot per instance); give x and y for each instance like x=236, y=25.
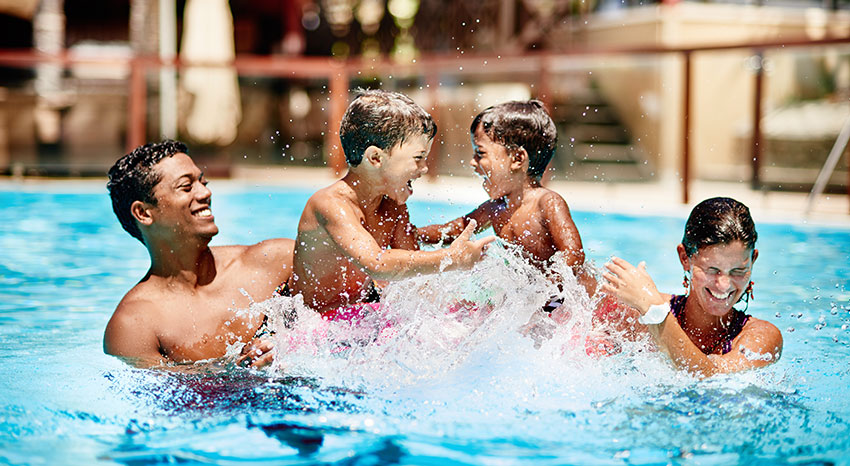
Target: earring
x=747, y=296
x=749, y=291
x=686, y=282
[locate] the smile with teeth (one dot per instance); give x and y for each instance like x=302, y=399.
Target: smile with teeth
x=720, y=296
x=205, y=212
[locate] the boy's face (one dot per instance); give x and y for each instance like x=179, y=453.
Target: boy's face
x=491, y=161
x=183, y=199
x=404, y=164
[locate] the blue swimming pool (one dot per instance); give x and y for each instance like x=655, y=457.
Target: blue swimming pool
x=488, y=398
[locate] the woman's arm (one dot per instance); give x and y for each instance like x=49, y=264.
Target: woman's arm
x=758, y=344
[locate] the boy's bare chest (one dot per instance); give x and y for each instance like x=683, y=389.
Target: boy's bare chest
x=526, y=228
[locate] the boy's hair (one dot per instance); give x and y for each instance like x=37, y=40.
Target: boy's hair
x=523, y=124
x=382, y=119
x=719, y=220
x=133, y=178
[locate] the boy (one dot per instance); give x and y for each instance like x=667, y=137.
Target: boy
x=358, y=230
x=513, y=143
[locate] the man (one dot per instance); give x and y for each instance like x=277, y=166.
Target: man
x=186, y=307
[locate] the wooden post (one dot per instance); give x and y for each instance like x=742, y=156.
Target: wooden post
x=136, y=106
x=436, y=155
x=757, y=140
x=686, y=124
x=338, y=88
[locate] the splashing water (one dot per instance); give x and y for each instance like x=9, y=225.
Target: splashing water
x=448, y=336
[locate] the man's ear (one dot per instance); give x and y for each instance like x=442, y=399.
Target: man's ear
x=519, y=157
x=141, y=211
x=374, y=156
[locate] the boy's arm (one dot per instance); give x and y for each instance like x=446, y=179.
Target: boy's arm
x=345, y=230
x=561, y=228
x=482, y=215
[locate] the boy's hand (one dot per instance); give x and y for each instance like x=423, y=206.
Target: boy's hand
x=464, y=252
x=257, y=353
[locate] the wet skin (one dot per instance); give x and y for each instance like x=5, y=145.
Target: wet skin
x=520, y=210
x=186, y=307
x=719, y=277
x=358, y=230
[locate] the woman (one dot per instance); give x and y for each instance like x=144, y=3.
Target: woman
x=701, y=331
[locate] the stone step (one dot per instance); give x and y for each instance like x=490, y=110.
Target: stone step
x=596, y=134
x=601, y=172
x=589, y=114
x=605, y=153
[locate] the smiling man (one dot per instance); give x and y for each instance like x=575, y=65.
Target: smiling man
x=186, y=307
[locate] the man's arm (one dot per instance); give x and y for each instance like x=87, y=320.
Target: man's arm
x=130, y=336
x=483, y=216
x=344, y=228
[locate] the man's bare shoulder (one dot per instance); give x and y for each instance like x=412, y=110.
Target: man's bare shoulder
x=131, y=331
x=142, y=301
x=275, y=251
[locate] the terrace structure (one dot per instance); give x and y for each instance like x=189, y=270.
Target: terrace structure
x=641, y=91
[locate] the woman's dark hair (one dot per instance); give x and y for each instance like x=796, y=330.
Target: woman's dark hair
x=133, y=178
x=719, y=220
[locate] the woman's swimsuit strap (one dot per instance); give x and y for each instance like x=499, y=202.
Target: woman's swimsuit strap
x=739, y=319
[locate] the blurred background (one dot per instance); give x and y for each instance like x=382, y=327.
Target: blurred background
x=753, y=92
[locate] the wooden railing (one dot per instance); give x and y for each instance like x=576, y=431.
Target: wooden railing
x=338, y=74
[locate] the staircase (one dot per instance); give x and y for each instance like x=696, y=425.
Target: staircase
x=593, y=143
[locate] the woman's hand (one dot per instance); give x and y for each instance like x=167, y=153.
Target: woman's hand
x=631, y=284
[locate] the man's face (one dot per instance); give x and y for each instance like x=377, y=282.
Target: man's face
x=182, y=199
x=404, y=164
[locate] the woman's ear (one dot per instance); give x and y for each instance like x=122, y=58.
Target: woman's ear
x=755, y=255
x=519, y=159
x=683, y=257
x=374, y=156
x=141, y=211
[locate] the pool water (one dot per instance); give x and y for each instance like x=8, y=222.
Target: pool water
x=437, y=389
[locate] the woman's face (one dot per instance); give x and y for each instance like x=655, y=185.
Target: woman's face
x=719, y=275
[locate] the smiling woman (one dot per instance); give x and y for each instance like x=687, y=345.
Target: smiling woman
x=705, y=334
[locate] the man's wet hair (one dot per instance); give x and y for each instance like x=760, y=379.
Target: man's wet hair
x=133, y=178
x=719, y=220
x=522, y=124
x=382, y=119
